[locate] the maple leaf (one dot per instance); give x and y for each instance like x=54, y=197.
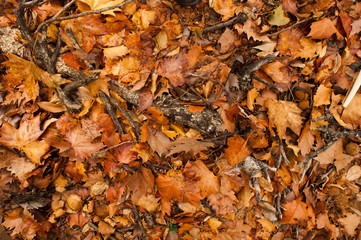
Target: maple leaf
x=323, y=29
x=278, y=72
x=284, y=115
x=26, y=72
x=26, y=137
x=82, y=143
x=173, y=69
x=296, y=211
x=237, y=150
x=278, y=17
x=190, y=145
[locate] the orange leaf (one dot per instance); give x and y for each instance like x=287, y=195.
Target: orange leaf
x=350, y=223
x=198, y=172
x=190, y=145
x=225, y=8
x=173, y=69
x=323, y=29
x=322, y=96
x=237, y=150
x=297, y=211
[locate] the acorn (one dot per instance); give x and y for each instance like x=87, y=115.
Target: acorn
x=352, y=148
x=74, y=202
x=187, y=2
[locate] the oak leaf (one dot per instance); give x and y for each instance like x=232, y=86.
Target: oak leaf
x=237, y=150
x=323, y=29
x=284, y=114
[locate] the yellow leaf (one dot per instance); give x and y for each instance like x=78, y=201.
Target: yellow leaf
x=225, y=8
x=98, y=4
x=278, y=17
x=214, y=223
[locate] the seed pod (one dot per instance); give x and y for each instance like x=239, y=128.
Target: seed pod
x=352, y=148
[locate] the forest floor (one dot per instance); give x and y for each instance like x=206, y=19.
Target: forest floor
x=152, y=120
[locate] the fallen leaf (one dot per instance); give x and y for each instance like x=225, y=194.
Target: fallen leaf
x=140, y=183
x=190, y=145
x=296, y=211
x=322, y=96
x=173, y=69
x=226, y=40
x=323, y=29
x=353, y=173
x=350, y=223
x=225, y=8
x=237, y=150
x=284, y=114
x=356, y=27
x=158, y=141
x=278, y=17
x=99, y=4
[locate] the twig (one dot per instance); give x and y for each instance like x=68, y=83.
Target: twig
x=109, y=148
x=270, y=85
x=290, y=27
x=306, y=161
x=339, y=134
x=47, y=22
x=240, y=18
x=7, y=17
x=111, y=111
x=139, y=222
x=134, y=125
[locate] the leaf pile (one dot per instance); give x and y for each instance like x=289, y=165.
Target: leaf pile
x=286, y=163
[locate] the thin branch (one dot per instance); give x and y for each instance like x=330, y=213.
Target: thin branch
x=306, y=161
x=46, y=23
x=240, y=18
x=139, y=222
x=290, y=27
x=270, y=85
x=111, y=111
x=131, y=121
x=87, y=13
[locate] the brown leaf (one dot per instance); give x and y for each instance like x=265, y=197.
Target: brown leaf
x=226, y=40
x=140, y=183
x=158, y=141
x=284, y=114
x=190, y=145
x=26, y=137
x=278, y=72
x=352, y=113
x=350, y=223
x=173, y=69
x=237, y=150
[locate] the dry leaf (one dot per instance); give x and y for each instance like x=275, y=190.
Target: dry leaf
x=323, y=29
x=237, y=150
x=284, y=114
